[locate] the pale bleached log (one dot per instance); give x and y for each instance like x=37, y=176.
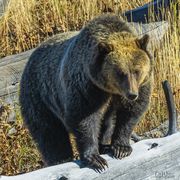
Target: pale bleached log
x=145, y=163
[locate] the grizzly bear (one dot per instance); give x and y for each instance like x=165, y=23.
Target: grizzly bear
x=95, y=85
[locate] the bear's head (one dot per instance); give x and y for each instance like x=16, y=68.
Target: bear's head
x=122, y=64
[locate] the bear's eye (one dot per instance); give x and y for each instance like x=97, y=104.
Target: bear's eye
x=120, y=74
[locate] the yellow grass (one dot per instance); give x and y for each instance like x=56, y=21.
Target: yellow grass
x=167, y=66
x=26, y=23
x=18, y=153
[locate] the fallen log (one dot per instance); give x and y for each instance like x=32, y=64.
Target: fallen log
x=11, y=69
x=150, y=159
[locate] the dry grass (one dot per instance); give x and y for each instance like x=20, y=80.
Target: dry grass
x=26, y=23
x=167, y=67
x=18, y=153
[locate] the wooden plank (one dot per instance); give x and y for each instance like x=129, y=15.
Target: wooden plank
x=11, y=67
x=145, y=163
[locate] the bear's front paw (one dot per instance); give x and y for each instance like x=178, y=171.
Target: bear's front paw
x=121, y=151
x=95, y=161
x=104, y=148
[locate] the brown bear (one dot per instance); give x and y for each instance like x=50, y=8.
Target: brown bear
x=95, y=85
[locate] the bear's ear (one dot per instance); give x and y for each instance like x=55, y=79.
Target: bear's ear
x=105, y=48
x=143, y=42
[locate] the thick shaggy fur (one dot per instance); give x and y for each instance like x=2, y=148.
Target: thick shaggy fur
x=96, y=85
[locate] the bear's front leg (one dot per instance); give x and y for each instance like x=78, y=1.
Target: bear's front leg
x=121, y=137
x=86, y=132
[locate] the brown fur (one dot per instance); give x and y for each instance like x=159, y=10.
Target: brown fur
x=95, y=85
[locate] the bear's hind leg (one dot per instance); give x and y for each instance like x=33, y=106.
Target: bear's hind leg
x=107, y=130
x=50, y=135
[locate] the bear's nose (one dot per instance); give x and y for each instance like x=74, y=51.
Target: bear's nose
x=132, y=96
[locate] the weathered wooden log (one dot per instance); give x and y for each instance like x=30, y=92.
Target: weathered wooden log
x=150, y=159
x=11, y=67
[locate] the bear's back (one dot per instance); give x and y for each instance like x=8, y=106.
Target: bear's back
x=47, y=57
x=38, y=78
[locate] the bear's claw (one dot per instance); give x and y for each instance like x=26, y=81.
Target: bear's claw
x=121, y=151
x=96, y=162
x=104, y=149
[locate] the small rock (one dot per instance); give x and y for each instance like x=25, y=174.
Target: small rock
x=9, y=101
x=153, y=145
x=11, y=117
x=12, y=131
